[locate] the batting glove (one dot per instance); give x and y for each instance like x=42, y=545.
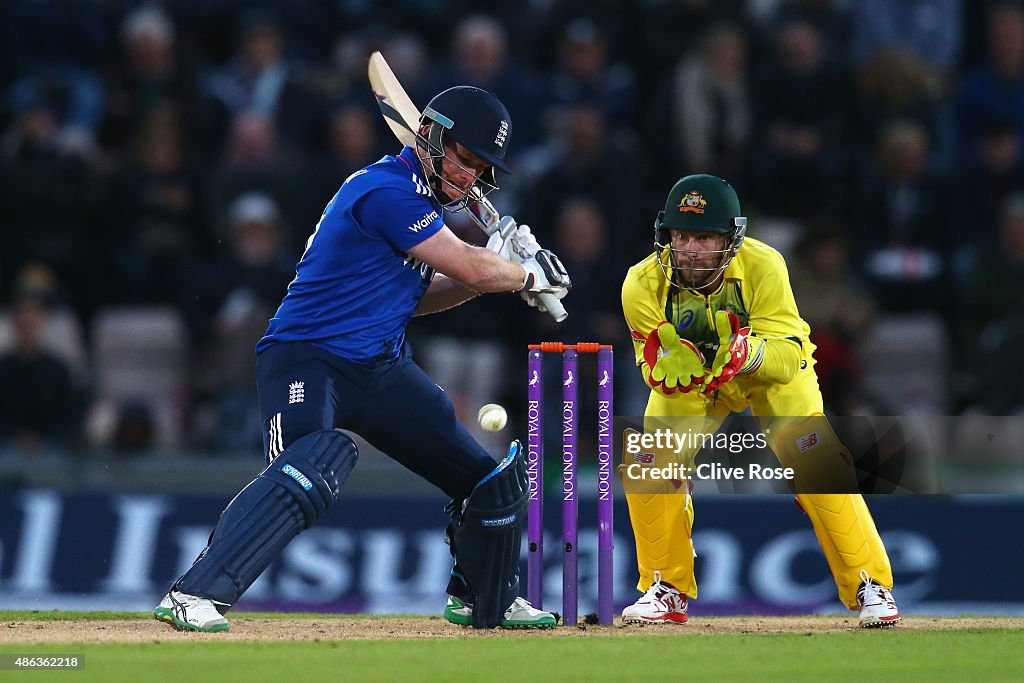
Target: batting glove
x=545, y=274
x=500, y=240
x=522, y=244
x=534, y=299
x=738, y=352
x=676, y=364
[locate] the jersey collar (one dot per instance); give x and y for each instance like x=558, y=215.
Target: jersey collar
x=408, y=155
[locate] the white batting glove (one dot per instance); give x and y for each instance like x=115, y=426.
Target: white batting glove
x=499, y=242
x=545, y=274
x=534, y=298
x=523, y=245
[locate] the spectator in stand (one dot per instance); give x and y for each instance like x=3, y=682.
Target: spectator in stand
x=244, y=290
x=930, y=28
x=992, y=311
x=40, y=406
x=155, y=226
x=351, y=144
x=584, y=76
x=56, y=49
x=997, y=175
x=479, y=57
x=592, y=163
x=800, y=137
x=663, y=22
x=896, y=83
x=256, y=160
x=150, y=73
x=711, y=111
x=839, y=310
x=904, y=223
x=994, y=91
x=49, y=199
x=259, y=80
x=582, y=234
x=831, y=19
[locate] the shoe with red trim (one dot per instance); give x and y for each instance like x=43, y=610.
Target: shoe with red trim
x=877, y=607
x=661, y=604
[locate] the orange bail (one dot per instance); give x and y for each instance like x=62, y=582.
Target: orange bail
x=559, y=347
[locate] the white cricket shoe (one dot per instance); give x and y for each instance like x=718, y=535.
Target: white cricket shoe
x=661, y=604
x=520, y=614
x=190, y=613
x=877, y=607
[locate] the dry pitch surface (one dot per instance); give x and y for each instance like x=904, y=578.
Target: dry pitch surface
x=329, y=627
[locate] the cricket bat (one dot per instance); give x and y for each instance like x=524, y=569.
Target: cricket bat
x=403, y=117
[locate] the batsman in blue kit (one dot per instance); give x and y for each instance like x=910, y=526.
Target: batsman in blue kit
x=335, y=357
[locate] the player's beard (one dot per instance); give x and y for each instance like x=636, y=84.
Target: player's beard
x=701, y=273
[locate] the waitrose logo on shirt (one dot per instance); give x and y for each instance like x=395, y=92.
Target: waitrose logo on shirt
x=424, y=222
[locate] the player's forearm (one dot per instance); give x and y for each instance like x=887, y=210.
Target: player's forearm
x=486, y=271
x=781, y=362
x=444, y=293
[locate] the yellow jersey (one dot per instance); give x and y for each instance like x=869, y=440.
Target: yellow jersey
x=755, y=286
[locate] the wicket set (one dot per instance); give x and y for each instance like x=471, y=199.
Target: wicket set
x=535, y=468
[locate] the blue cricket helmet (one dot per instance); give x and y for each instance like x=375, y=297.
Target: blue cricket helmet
x=475, y=119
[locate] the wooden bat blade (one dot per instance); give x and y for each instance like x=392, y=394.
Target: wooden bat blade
x=399, y=112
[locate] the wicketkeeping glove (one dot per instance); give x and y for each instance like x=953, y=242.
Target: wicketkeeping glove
x=738, y=352
x=676, y=364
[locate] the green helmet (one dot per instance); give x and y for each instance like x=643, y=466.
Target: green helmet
x=700, y=203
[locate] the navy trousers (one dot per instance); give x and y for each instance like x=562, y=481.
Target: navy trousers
x=392, y=404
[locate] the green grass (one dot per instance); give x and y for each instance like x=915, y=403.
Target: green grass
x=859, y=655
x=911, y=656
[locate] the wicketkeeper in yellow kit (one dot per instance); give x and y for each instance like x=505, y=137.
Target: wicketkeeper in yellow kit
x=716, y=330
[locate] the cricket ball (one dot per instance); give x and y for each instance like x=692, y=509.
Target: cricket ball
x=492, y=417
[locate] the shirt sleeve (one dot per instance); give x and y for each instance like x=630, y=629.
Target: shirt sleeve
x=774, y=317
x=400, y=216
x=643, y=313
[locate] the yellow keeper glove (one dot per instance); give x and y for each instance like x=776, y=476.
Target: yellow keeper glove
x=675, y=364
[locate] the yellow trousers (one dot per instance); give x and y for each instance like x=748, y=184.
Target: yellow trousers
x=661, y=513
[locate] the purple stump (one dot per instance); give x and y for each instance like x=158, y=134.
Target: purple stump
x=535, y=472
x=605, y=511
x=570, y=575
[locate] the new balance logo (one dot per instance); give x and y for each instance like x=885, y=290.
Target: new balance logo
x=296, y=392
x=643, y=458
x=568, y=379
x=805, y=443
x=424, y=222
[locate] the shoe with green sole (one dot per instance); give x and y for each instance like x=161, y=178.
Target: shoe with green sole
x=190, y=613
x=521, y=614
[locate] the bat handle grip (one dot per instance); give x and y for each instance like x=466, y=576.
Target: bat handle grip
x=554, y=306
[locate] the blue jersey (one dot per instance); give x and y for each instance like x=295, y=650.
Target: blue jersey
x=356, y=287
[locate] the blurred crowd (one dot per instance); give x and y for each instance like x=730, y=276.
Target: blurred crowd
x=163, y=163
